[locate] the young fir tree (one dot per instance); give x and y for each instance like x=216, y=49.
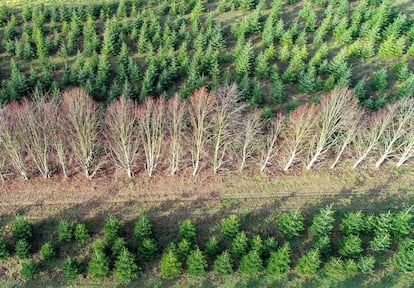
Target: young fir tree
x=223, y=265
x=211, y=248
x=98, y=266
x=309, y=263
x=147, y=248
x=403, y=260
x=290, y=224
x=278, y=263
x=230, y=226
x=366, y=264
x=322, y=223
x=240, y=244
x=4, y=251
x=251, y=263
x=125, y=267
x=170, y=266
x=381, y=242
x=186, y=230
x=71, y=268
x=379, y=80
x=23, y=249
x=29, y=268
x=352, y=223
x=350, y=246
x=111, y=228
x=65, y=230
x=196, y=263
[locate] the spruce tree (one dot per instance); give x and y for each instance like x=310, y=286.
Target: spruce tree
x=222, y=265
x=23, y=249
x=230, y=226
x=111, y=228
x=71, y=268
x=170, y=265
x=251, y=263
x=98, y=266
x=278, y=263
x=352, y=223
x=350, y=246
x=379, y=80
x=290, y=224
x=322, y=222
x=366, y=264
x=186, y=230
x=404, y=258
x=4, y=251
x=211, y=247
x=196, y=263
x=125, y=266
x=240, y=244
x=381, y=242
x=309, y=263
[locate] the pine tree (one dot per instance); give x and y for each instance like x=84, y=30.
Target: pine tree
x=278, y=263
x=170, y=266
x=309, y=263
x=222, y=265
x=251, y=263
x=125, y=266
x=196, y=263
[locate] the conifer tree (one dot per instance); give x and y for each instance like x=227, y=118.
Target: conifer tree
x=251, y=263
x=278, y=263
x=125, y=266
x=98, y=266
x=309, y=263
x=170, y=265
x=196, y=263
x=222, y=265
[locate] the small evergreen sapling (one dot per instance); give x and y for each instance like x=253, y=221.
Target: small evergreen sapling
x=366, y=264
x=81, y=233
x=404, y=258
x=47, y=251
x=147, y=249
x=65, y=230
x=23, y=249
x=142, y=228
x=352, y=223
x=240, y=244
x=251, y=263
x=196, y=263
x=380, y=242
x=350, y=246
x=170, y=265
x=22, y=229
x=278, y=263
x=222, y=265
x=230, y=226
x=290, y=224
x=402, y=222
x=269, y=245
x=256, y=243
x=71, y=268
x=309, y=263
x=111, y=228
x=118, y=246
x=125, y=267
x=322, y=223
x=29, y=268
x=4, y=251
x=211, y=248
x=187, y=230
x=98, y=266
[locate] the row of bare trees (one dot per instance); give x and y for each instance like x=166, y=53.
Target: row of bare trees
x=213, y=130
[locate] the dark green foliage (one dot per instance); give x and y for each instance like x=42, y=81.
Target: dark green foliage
x=402, y=222
x=309, y=263
x=379, y=80
x=308, y=80
x=183, y=248
x=278, y=263
x=290, y=224
x=22, y=229
x=29, y=268
x=47, y=251
x=222, y=265
x=65, y=230
x=118, y=245
x=211, y=248
x=23, y=249
x=81, y=233
x=240, y=244
x=170, y=266
x=196, y=263
x=125, y=267
x=366, y=264
x=251, y=263
x=380, y=242
x=350, y=246
x=323, y=244
x=111, y=228
x=230, y=226
x=4, y=251
x=322, y=223
x=404, y=258
x=142, y=228
x=269, y=245
x=147, y=249
x=71, y=268
x=256, y=243
x=98, y=266
x=382, y=223
x=186, y=230
x=352, y=223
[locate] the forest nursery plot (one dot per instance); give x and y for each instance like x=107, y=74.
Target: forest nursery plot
x=297, y=247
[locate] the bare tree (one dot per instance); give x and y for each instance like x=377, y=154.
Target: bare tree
x=3, y=160
x=335, y=113
x=59, y=138
x=270, y=148
x=407, y=147
x=348, y=135
x=36, y=122
x=298, y=132
x=11, y=136
x=200, y=108
x=175, y=124
x=226, y=118
x=250, y=127
x=404, y=112
x=84, y=121
x=151, y=131
x=368, y=137
x=121, y=133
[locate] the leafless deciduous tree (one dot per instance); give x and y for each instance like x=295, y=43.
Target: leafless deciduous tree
x=269, y=146
x=59, y=138
x=11, y=136
x=393, y=136
x=250, y=130
x=200, y=108
x=83, y=118
x=175, y=124
x=348, y=135
x=298, y=132
x=151, y=131
x=369, y=136
x=335, y=113
x=226, y=118
x=121, y=133
x=407, y=147
x=36, y=122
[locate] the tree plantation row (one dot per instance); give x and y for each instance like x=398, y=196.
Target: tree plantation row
x=358, y=245
x=212, y=130
x=272, y=49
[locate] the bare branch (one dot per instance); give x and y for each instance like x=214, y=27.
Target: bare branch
x=270, y=148
x=249, y=141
